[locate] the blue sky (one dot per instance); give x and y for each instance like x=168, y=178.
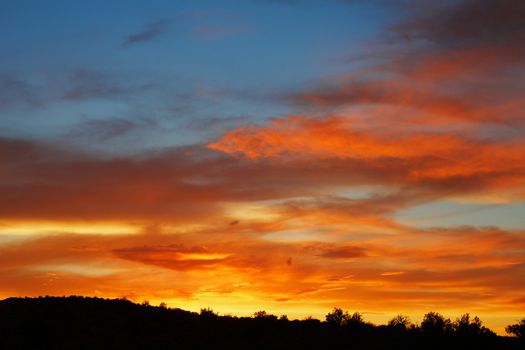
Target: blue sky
x=192, y=61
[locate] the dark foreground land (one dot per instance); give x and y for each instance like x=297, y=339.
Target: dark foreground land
x=94, y=323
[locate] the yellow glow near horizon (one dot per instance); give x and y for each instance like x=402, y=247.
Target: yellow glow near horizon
x=251, y=212
x=84, y=228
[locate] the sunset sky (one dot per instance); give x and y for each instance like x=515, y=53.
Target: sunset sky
x=285, y=155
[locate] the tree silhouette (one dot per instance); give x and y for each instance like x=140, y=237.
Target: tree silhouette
x=337, y=317
x=355, y=320
x=464, y=326
x=83, y=323
x=400, y=322
x=517, y=330
x=340, y=318
x=208, y=313
x=263, y=315
x=435, y=324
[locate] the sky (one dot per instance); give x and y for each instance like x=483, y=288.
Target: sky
x=289, y=155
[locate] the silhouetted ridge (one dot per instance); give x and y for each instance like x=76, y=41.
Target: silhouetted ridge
x=95, y=323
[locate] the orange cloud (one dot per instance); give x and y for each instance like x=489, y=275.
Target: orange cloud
x=331, y=137
x=174, y=257
x=423, y=156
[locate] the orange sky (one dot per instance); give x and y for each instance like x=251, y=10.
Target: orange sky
x=397, y=187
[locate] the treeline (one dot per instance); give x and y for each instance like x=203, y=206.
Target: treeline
x=95, y=323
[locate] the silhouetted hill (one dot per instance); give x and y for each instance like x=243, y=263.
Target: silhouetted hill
x=94, y=323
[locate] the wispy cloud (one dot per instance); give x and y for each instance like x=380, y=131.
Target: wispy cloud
x=150, y=32
x=17, y=92
x=102, y=130
x=86, y=84
x=216, y=32
x=285, y=2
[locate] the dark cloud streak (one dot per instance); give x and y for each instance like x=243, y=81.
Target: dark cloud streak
x=150, y=32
